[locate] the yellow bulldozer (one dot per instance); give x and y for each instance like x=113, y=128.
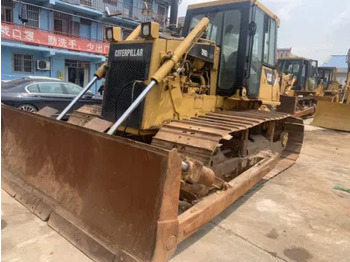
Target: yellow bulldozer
x=335, y=115
x=331, y=88
x=299, y=85
x=178, y=137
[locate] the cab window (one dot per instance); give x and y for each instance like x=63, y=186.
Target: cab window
x=257, y=54
x=292, y=67
x=269, y=41
x=313, y=68
x=214, y=28
x=229, y=49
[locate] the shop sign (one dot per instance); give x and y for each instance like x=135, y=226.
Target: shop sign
x=34, y=36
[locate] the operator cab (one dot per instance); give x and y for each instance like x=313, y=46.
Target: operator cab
x=246, y=33
x=326, y=76
x=305, y=70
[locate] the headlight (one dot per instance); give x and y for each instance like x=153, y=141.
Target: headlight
x=109, y=33
x=146, y=29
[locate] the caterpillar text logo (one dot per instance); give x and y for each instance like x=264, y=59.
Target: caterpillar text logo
x=128, y=52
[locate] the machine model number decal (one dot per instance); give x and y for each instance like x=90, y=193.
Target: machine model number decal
x=128, y=52
x=269, y=77
x=204, y=52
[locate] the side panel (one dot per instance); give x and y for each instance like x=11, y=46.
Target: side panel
x=105, y=194
x=269, y=86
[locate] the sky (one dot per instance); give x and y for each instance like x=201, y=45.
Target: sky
x=313, y=28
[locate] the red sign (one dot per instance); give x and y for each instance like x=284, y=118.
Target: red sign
x=33, y=36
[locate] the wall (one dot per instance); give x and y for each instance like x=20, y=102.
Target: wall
x=7, y=66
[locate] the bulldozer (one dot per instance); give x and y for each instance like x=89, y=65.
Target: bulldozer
x=335, y=115
x=331, y=88
x=179, y=136
x=300, y=97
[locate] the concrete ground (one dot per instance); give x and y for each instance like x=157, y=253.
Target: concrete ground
x=296, y=216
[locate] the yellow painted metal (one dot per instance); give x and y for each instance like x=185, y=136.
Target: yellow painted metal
x=332, y=115
x=185, y=45
x=117, y=34
x=287, y=83
x=225, y=2
x=347, y=89
x=269, y=93
x=101, y=72
x=134, y=34
x=154, y=30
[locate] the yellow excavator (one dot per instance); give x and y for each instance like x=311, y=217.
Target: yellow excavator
x=178, y=138
x=335, y=115
x=299, y=98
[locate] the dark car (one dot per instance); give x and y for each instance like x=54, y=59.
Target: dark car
x=33, y=93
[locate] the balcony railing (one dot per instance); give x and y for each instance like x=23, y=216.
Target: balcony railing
x=126, y=10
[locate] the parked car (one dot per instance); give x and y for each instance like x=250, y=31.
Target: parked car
x=34, y=93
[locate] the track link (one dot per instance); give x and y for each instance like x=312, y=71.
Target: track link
x=200, y=137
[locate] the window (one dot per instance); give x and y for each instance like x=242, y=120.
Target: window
x=86, y=2
x=65, y=24
x=294, y=67
x=6, y=11
x=269, y=41
x=72, y=89
x=257, y=53
x=229, y=48
x=74, y=28
x=127, y=7
x=214, y=28
x=22, y=63
x=50, y=88
x=33, y=88
x=273, y=37
x=61, y=23
x=33, y=16
x=111, y=2
x=313, y=68
x=290, y=66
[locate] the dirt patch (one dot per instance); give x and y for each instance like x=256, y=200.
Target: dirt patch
x=3, y=224
x=272, y=234
x=298, y=254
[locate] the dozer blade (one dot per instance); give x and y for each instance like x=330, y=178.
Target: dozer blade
x=115, y=199
x=332, y=115
x=289, y=105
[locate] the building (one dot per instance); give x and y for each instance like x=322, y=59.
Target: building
x=340, y=62
x=65, y=38
x=284, y=52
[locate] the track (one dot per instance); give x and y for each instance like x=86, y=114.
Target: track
x=223, y=142
x=200, y=137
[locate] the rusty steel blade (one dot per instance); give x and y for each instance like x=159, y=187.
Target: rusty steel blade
x=109, y=196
